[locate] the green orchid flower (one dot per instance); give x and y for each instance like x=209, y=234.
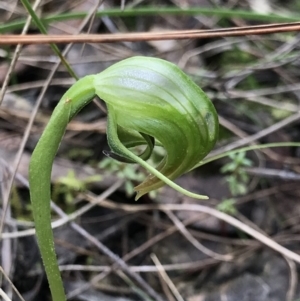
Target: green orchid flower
x=149, y=101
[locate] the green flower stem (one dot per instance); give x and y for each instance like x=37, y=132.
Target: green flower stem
x=40, y=177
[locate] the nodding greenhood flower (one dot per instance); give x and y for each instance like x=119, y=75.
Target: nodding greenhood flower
x=154, y=98
x=149, y=101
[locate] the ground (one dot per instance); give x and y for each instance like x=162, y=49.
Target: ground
x=166, y=246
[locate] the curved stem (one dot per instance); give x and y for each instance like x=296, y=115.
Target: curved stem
x=40, y=177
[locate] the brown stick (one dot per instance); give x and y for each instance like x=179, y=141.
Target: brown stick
x=147, y=36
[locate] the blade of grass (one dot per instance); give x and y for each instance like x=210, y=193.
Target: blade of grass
x=43, y=30
x=15, y=57
x=248, y=148
x=152, y=10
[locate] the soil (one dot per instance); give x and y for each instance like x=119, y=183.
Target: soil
x=253, y=82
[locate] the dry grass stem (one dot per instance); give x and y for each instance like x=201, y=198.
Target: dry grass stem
x=164, y=276
x=148, y=36
x=211, y=211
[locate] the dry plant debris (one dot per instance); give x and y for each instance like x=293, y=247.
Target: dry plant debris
x=108, y=252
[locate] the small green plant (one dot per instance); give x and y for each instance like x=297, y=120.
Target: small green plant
x=123, y=171
x=237, y=177
x=148, y=100
x=70, y=185
x=228, y=206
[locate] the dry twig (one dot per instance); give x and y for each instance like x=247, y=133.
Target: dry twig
x=149, y=36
